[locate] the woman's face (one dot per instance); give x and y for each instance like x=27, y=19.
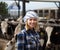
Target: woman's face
x=32, y=22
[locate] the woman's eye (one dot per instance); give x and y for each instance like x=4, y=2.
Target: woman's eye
x=30, y=19
x=33, y=19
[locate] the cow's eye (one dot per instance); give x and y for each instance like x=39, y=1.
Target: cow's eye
x=7, y=45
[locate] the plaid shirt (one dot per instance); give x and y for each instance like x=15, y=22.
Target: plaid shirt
x=28, y=40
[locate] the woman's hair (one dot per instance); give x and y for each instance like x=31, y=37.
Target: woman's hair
x=27, y=26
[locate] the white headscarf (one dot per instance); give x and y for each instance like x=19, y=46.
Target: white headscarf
x=30, y=14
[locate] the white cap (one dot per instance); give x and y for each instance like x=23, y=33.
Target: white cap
x=30, y=14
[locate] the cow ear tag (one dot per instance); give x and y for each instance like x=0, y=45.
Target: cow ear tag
x=56, y=33
x=42, y=33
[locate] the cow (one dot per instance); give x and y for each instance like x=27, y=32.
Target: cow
x=17, y=29
x=19, y=26
x=53, y=33
x=11, y=44
x=4, y=27
x=43, y=37
x=7, y=29
x=48, y=30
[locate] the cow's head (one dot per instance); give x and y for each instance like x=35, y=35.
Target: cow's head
x=10, y=44
x=4, y=26
x=48, y=30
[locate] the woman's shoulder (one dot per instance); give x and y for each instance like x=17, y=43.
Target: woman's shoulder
x=21, y=35
x=22, y=32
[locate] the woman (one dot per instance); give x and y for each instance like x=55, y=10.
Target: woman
x=28, y=38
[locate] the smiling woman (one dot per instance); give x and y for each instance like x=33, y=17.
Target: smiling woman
x=28, y=38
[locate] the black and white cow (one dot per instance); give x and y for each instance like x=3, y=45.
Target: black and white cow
x=48, y=30
x=7, y=29
x=43, y=38
x=53, y=33
x=11, y=44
